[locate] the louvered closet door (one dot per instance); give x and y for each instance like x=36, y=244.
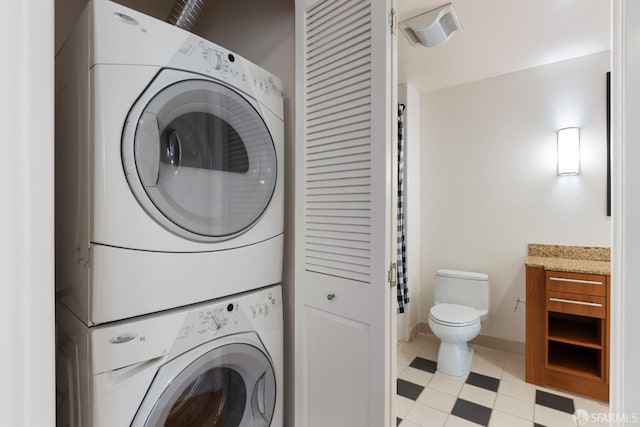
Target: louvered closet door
x=344, y=132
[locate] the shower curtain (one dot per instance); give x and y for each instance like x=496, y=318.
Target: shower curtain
x=403, y=288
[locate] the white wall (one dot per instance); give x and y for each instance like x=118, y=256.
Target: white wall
x=489, y=183
x=407, y=322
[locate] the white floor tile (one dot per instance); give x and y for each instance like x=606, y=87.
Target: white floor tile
x=520, y=390
x=403, y=406
x=513, y=375
x=416, y=376
x=551, y=417
x=513, y=406
x=591, y=405
x=500, y=419
x=460, y=379
x=402, y=361
x=445, y=384
x=426, y=416
x=437, y=400
x=454, y=421
x=404, y=358
x=430, y=351
x=413, y=347
x=514, y=362
x=485, y=367
x=492, y=355
x=478, y=395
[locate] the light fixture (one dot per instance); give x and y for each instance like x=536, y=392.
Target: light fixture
x=569, y=151
x=432, y=28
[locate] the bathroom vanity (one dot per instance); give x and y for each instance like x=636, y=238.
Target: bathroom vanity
x=567, y=321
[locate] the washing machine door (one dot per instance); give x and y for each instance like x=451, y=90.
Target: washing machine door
x=205, y=160
x=229, y=386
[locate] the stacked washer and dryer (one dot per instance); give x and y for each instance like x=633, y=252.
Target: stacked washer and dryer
x=169, y=228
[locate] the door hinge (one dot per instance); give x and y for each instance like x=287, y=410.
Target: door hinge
x=392, y=275
x=393, y=21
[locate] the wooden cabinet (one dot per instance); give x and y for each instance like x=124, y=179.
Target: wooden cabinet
x=567, y=337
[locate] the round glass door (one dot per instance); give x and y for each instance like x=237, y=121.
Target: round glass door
x=205, y=159
x=229, y=386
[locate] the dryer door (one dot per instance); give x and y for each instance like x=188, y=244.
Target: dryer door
x=204, y=159
x=229, y=386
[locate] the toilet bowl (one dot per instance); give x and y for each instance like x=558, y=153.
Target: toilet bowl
x=461, y=302
x=454, y=325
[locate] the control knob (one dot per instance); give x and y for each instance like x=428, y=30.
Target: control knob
x=215, y=323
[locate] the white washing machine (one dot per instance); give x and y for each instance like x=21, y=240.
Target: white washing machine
x=216, y=364
x=169, y=168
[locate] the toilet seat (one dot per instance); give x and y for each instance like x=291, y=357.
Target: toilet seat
x=454, y=315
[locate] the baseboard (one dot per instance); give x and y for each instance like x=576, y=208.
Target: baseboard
x=485, y=340
x=413, y=332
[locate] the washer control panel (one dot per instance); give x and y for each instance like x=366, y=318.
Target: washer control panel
x=248, y=312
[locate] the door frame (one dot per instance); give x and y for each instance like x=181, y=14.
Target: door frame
x=27, y=362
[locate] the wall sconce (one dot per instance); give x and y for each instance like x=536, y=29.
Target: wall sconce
x=569, y=151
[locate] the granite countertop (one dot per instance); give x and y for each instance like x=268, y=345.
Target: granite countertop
x=574, y=259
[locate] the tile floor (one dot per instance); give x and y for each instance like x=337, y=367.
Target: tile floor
x=492, y=394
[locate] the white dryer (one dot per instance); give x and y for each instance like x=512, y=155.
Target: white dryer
x=169, y=168
x=215, y=364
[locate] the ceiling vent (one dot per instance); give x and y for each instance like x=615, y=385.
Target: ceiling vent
x=432, y=28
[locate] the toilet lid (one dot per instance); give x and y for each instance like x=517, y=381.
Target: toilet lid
x=454, y=314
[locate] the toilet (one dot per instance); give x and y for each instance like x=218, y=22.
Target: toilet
x=461, y=302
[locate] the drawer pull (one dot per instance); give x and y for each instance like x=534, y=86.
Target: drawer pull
x=586, y=282
x=570, y=301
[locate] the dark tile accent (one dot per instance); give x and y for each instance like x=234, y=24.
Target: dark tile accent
x=554, y=401
x=483, y=381
x=408, y=389
x=472, y=412
x=398, y=421
x=424, y=364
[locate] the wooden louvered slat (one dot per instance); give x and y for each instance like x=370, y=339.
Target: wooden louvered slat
x=338, y=220
x=322, y=111
x=336, y=8
x=336, y=28
x=346, y=244
x=359, y=173
x=354, y=46
x=337, y=153
x=352, y=189
x=327, y=153
x=339, y=44
x=341, y=116
x=340, y=250
x=355, y=213
x=342, y=273
x=321, y=9
x=351, y=81
x=338, y=160
x=335, y=19
x=345, y=137
x=321, y=256
x=320, y=101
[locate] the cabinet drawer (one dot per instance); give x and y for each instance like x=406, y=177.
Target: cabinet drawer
x=576, y=283
x=581, y=305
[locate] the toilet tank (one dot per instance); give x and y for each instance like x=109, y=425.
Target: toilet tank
x=464, y=288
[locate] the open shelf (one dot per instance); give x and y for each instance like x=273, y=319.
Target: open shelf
x=574, y=359
x=576, y=330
